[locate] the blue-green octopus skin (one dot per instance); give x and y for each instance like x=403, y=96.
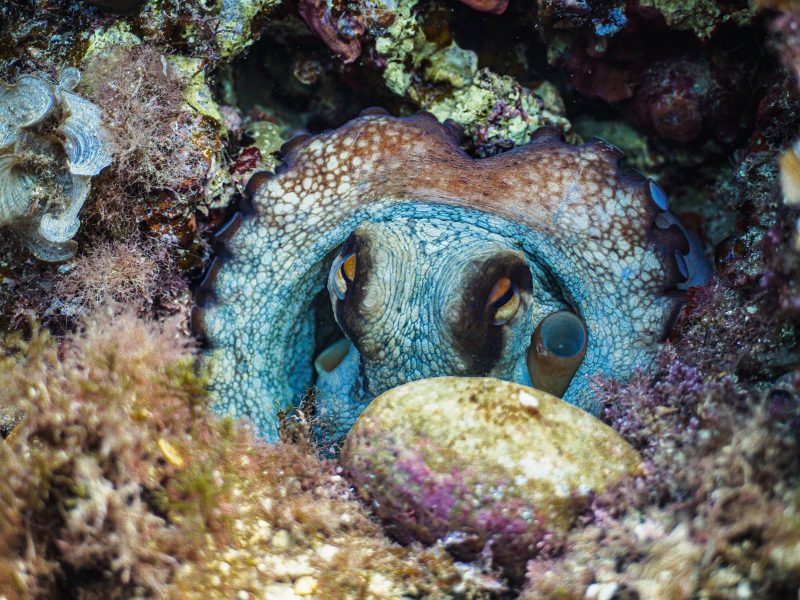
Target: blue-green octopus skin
x=432, y=229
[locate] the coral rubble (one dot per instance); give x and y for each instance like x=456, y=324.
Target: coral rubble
x=117, y=479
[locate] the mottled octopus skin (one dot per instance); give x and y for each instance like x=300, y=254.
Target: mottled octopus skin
x=606, y=239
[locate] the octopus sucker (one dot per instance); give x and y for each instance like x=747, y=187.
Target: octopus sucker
x=229, y=229
x=437, y=263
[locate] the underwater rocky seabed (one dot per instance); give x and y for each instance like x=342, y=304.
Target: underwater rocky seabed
x=119, y=482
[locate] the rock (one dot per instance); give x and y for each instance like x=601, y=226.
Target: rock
x=481, y=465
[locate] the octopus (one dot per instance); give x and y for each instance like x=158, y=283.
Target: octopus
x=546, y=266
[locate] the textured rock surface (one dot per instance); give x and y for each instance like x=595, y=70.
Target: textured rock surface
x=480, y=463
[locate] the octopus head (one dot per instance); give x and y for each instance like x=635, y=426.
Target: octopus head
x=417, y=299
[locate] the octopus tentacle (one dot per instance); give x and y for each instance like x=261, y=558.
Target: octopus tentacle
x=608, y=238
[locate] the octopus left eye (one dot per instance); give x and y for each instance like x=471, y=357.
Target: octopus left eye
x=344, y=273
x=503, y=301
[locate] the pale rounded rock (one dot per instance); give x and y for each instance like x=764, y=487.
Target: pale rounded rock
x=479, y=461
x=279, y=591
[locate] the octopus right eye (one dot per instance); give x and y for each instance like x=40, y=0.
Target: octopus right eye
x=503, y=301
x=344, y=273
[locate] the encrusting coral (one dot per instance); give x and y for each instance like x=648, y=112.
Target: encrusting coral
x=172, y=177
x=429, y=69
x=717, y=514
x=119, y=483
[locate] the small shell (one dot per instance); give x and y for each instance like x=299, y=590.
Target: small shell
x=69, y=78
x=62, y=227
x=15, y=188
x=23, y=105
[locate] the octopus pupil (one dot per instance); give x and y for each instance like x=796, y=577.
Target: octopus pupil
x=509, y=294
x=343, y=271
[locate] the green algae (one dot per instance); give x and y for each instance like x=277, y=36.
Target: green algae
x=268, y=137
x=108, y=39
x=699, y=16
x=626, y=137
x=197, y=93
x=472, y=106
x=452, y=65
x=446, y=80
x=237, y=20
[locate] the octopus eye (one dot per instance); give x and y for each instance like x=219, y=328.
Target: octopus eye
x=557, y=350
x=344, y=273
x=503, y=301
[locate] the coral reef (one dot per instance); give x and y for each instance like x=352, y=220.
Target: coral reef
x=505, y=481
x=702, y=17
x=237, y=24
x=118, y=482
x=175, y=168
x=52, y=142
x=673, y=68
x=716, y=513
x=428, y=68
